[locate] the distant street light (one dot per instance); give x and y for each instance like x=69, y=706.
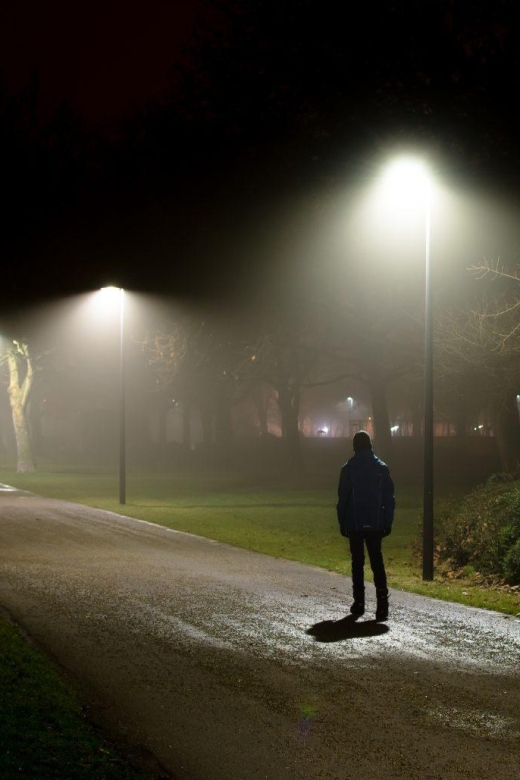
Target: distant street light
x=409, y=178
x=116, y=296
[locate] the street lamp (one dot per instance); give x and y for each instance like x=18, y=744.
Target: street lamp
x=117, y=295
x=408, y=178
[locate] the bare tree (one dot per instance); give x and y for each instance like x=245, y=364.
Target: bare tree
x=479, y=348
x=282, y=358
x=290, y=353
x=378, y=334
x=195, y=360
x=20, y=365
x=499, y=316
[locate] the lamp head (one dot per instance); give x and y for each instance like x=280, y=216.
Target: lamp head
x=407, y=177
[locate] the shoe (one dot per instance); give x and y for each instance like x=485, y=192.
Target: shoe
x=382, y=608
x=358, y=608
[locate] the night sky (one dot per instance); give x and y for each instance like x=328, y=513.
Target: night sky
x=182, y=148
x=103, y=57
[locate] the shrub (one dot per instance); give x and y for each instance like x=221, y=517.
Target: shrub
x=483, y=530
x=512, y=564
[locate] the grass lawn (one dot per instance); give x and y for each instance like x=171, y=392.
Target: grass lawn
x=44, y=731
x=297, y=523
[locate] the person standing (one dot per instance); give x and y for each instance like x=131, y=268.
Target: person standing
x=365, y=510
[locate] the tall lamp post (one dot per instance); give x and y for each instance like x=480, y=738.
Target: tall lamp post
x=119, y=294
x=428, y=397
x=410, y=177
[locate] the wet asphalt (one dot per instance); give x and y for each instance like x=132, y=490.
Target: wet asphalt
x=207, y=662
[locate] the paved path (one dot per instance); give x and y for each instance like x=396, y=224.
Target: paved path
x=226, y=664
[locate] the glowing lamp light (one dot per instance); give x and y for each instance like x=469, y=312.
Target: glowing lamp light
x=405, y=181
x=107, y=301
x=110, y=293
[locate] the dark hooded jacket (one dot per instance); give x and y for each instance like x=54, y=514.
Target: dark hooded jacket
x=366, y=499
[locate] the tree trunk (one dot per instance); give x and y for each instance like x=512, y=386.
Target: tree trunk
x=186, y=425
x=507, y=432
x=261, y=408
x=19, y=392
x=223, y=421
x=23, y=442
x=382, y=433
x=461, y=419
x=289, y=403
x=207, y=426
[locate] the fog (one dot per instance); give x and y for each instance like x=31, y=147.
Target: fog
x=214, y=410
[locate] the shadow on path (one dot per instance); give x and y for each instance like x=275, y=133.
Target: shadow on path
x=346, y=628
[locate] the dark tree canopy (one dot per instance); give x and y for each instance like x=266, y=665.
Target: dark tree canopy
x=270, y=105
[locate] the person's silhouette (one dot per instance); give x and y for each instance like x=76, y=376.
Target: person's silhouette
x=365, y=512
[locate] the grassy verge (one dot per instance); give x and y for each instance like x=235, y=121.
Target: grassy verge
x=44, y=732
x=297, y=523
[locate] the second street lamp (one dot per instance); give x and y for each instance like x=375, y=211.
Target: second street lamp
x=118, y=294
x=428, y=398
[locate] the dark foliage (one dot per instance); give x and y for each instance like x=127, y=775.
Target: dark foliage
x=483, y=530
x=44, y=732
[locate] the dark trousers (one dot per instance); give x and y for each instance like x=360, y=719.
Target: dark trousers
x=372, y=539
